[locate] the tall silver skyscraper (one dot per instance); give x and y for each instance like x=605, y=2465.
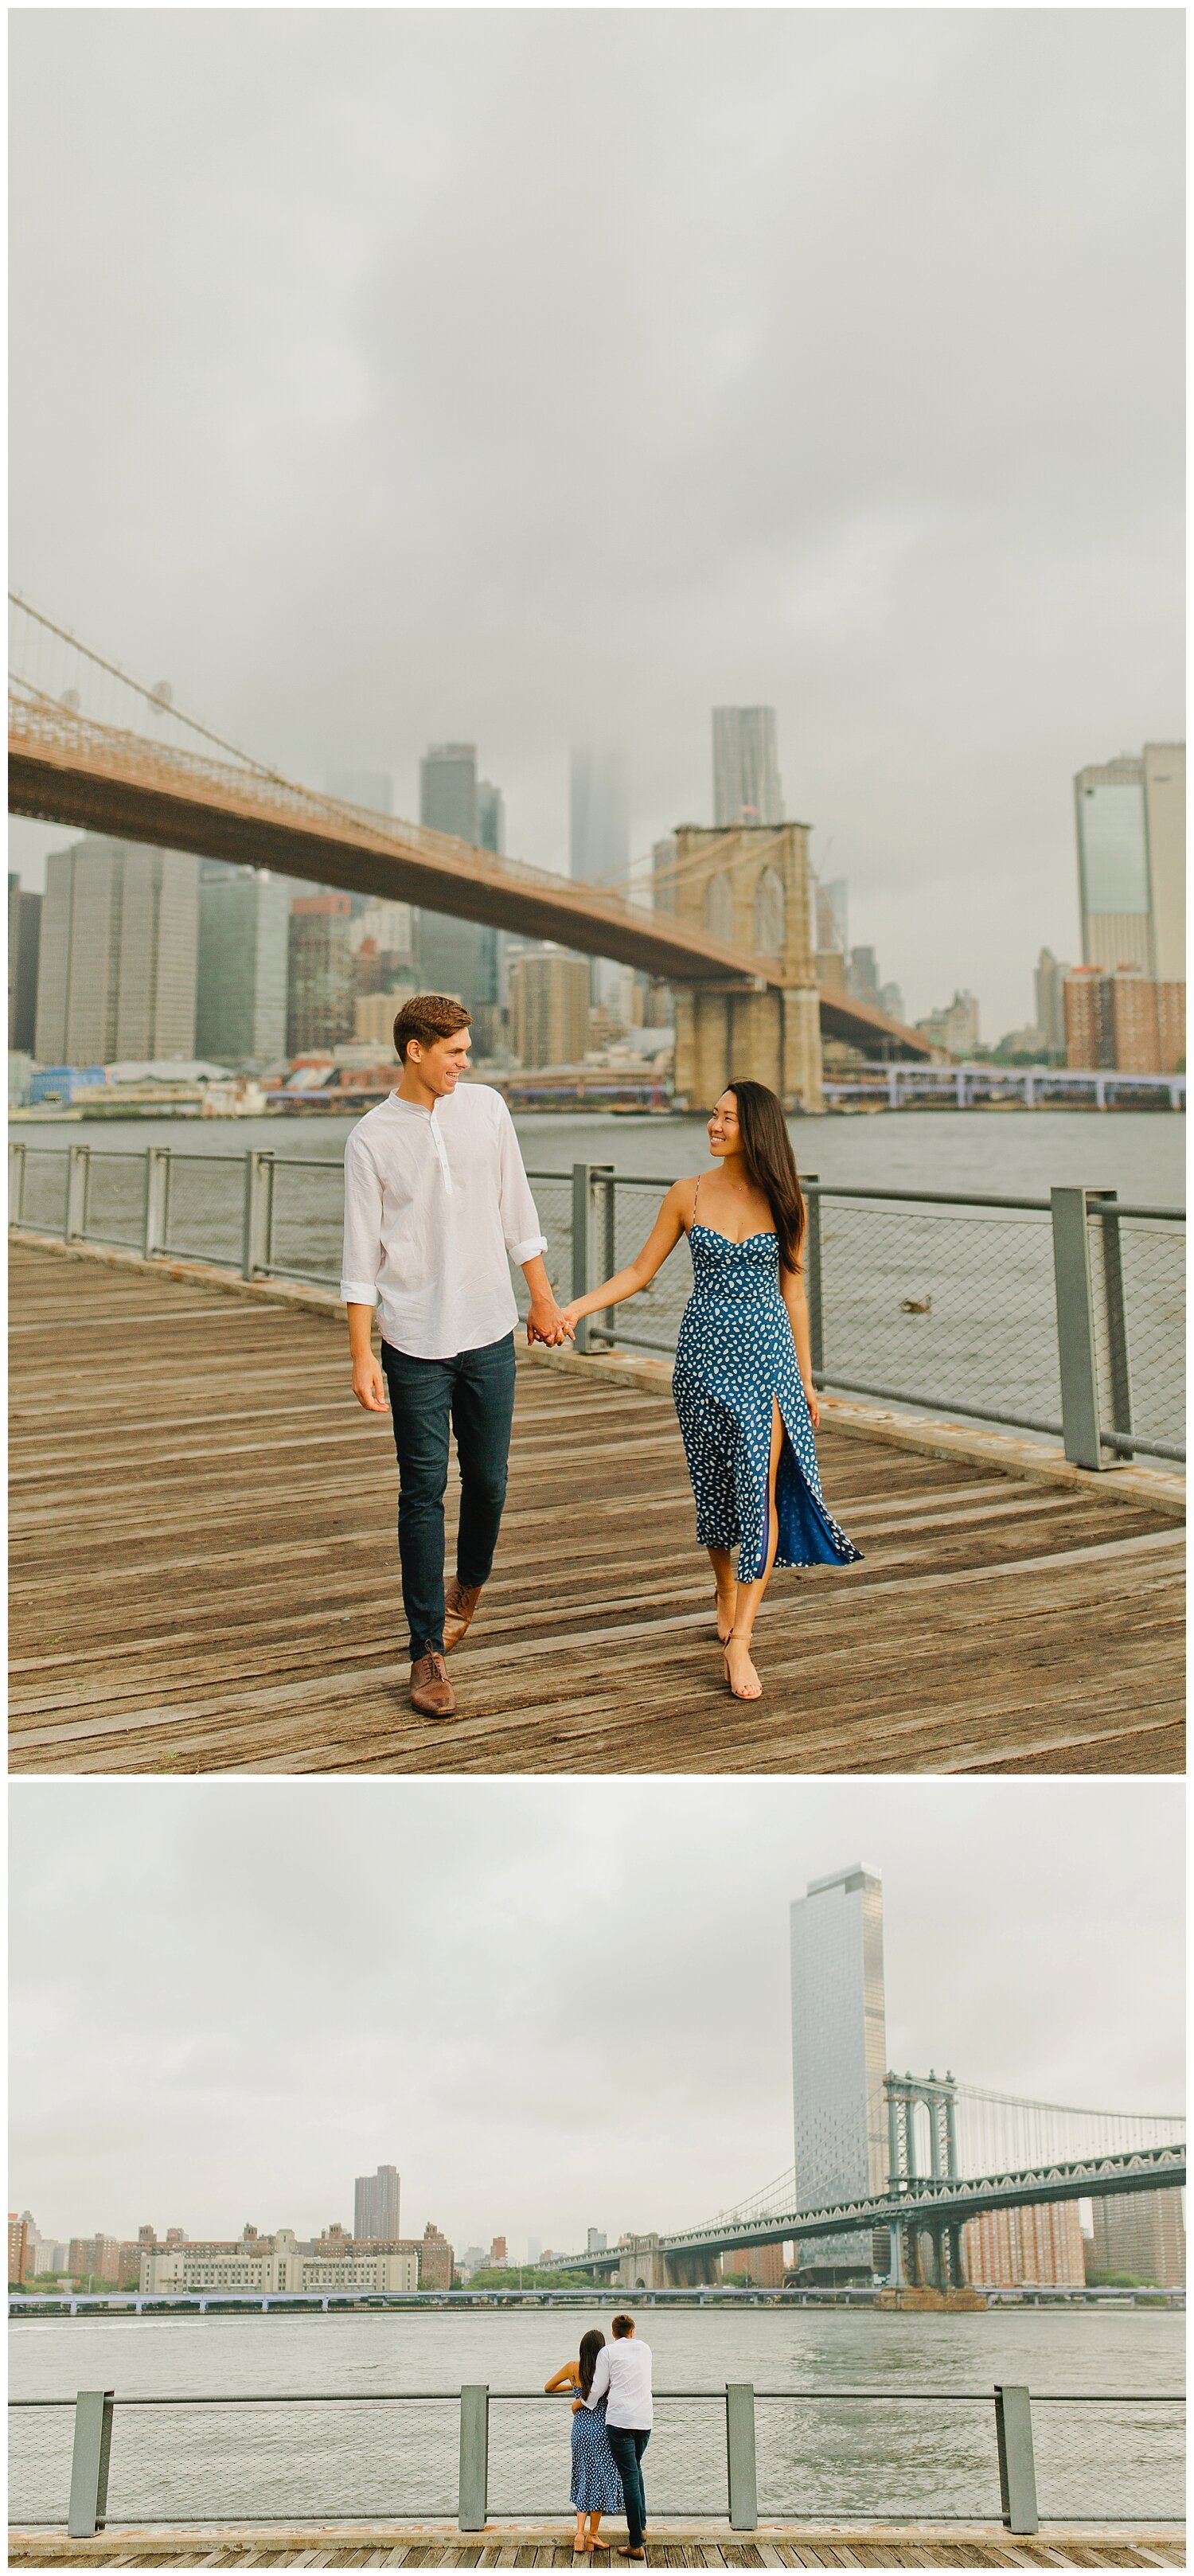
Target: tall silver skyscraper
x=839, y=2053
x=455, y=956
x=119, y=950
x=244, y=932
x=375, y=2205
x=598, y=815
x=746, y=786
x=1131, y=822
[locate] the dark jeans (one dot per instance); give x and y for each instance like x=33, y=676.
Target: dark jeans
x=471, y=1394
x=628, y=2448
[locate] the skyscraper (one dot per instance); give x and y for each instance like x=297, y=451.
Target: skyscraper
x=1049, y=990
x=457, y=956
x=319, y=990
x=598, y=815
x=1131, y=816
x=839, y=2053
x=375, y=2206
x=746, y=786
x=24, y=942
x=119, y=954
x=371, y=788
x=244, y=929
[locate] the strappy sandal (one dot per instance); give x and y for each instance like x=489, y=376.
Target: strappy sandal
x=725, y=1659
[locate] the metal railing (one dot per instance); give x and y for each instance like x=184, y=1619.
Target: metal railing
x=1061, y=1316
x=734, y=2455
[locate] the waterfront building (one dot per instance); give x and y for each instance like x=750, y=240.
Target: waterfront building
x=18, y=2249
x=118, y=954
x=833, y=914
x=319, y=995
x=375, y=2203
x=1124, y=1022
x=373, y=1017
x=746, y=783
x=863, y=976
x=1010, y=2249
x=497, y=2253
x=955, y=1026
x=1048, y=983
x=762, y=2265
x=549, y=1008
x=1131, y=821
x=891, y=1000
x=595, y=2242
x=278, y=2263
x=839, y=2057
x=244, y=930
x=1141, y=2233
x=457, y=957
x=24, y=944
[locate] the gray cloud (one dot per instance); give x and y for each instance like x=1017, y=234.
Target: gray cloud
x=381, y=375
x=550, y=2003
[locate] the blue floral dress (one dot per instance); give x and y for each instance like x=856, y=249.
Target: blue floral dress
x=734, y=1353
x=596, y=2486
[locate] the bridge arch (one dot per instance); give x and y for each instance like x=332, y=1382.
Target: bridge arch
x=719, y=906
x=771, y=915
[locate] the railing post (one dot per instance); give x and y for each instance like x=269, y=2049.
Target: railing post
x=16, y=1183
x=89, y=2463
x=1117, y=1317
x=257, y=1226
x=157, y=1195
x=812, y=1274
x=474, y=2459
x=1017, y=2468
x=608, y=1235
x=1077, y=1363
x=76, y=1194
x=580, y=1244
x=740, y=2457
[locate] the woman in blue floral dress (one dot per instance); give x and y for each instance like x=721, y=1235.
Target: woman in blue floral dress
x=743, y=1379
x=596, y=2486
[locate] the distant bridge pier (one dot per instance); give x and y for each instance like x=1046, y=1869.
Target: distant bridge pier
x=749, y=885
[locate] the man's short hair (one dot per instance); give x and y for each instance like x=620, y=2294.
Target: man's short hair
x=622, y=2326
x=428, y=1016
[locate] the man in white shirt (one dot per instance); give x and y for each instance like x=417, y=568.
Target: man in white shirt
x=623, y=2373
x=436, y=1206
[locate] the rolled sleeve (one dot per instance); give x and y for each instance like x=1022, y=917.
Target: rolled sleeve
x=522, y=1233
x=362, y=1227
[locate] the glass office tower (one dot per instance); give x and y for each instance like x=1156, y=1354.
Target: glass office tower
x=839, y=2055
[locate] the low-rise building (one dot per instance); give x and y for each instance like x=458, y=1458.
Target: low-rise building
x=1122, y=1022
x=263, y=2265
x=1041, y=2244
x=1140, y=2233
x=18, y=2248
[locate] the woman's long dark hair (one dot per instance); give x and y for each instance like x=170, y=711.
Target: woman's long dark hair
x=771, y=1163
x=590, y=2346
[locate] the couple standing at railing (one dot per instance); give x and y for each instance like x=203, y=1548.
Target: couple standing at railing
x=612, y=2416
x=436, y=1206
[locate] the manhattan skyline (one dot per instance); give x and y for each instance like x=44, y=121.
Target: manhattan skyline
x=290, y=1982
x=524, y=376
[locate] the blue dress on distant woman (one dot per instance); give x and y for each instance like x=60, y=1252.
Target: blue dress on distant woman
x=734, y=1353
x=596, y=2486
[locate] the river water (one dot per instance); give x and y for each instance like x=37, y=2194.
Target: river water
x=921, y=2443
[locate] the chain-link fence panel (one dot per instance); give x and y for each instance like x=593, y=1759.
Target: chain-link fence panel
x=283, y=2459
x=305, y=1237
x=1110, y=2459
x=204, y=1212
x=1137, y=1276
x=651, y=1320
x=951, y=1307
x=41, y=2438
x=38, y=1189
x=877, y=2458
x=530, y=2457
x=552, y=1194
x=114, y=1207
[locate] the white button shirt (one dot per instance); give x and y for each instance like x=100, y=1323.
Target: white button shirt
x=434, y=1200
x=624, y=2368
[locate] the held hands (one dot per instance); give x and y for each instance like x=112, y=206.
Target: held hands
x=369, y=1384
x=547, y=1322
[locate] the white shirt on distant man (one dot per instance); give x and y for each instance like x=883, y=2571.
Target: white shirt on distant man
x=624, y=2369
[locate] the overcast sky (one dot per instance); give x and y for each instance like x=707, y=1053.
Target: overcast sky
x=551, y=2004
x=382, y=376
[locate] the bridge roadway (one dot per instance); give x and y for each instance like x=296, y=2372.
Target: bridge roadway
x=942, y=2201
x=66, y=768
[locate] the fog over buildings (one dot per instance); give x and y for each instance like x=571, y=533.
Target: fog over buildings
x=229, y=2005
x=532, y=378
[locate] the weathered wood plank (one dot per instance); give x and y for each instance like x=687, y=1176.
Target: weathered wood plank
x=205, y=1578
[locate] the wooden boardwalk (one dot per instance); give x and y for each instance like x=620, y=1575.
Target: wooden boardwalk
x=829, y=2545
x=205, y=1578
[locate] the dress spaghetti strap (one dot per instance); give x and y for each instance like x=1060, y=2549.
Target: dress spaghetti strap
x=695, y=1196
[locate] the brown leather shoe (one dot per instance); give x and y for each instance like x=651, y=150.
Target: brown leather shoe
x=431, y=1691
x=460, y=1601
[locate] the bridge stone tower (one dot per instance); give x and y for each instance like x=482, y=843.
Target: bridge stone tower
x=748, y=886
x=936, y=2095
